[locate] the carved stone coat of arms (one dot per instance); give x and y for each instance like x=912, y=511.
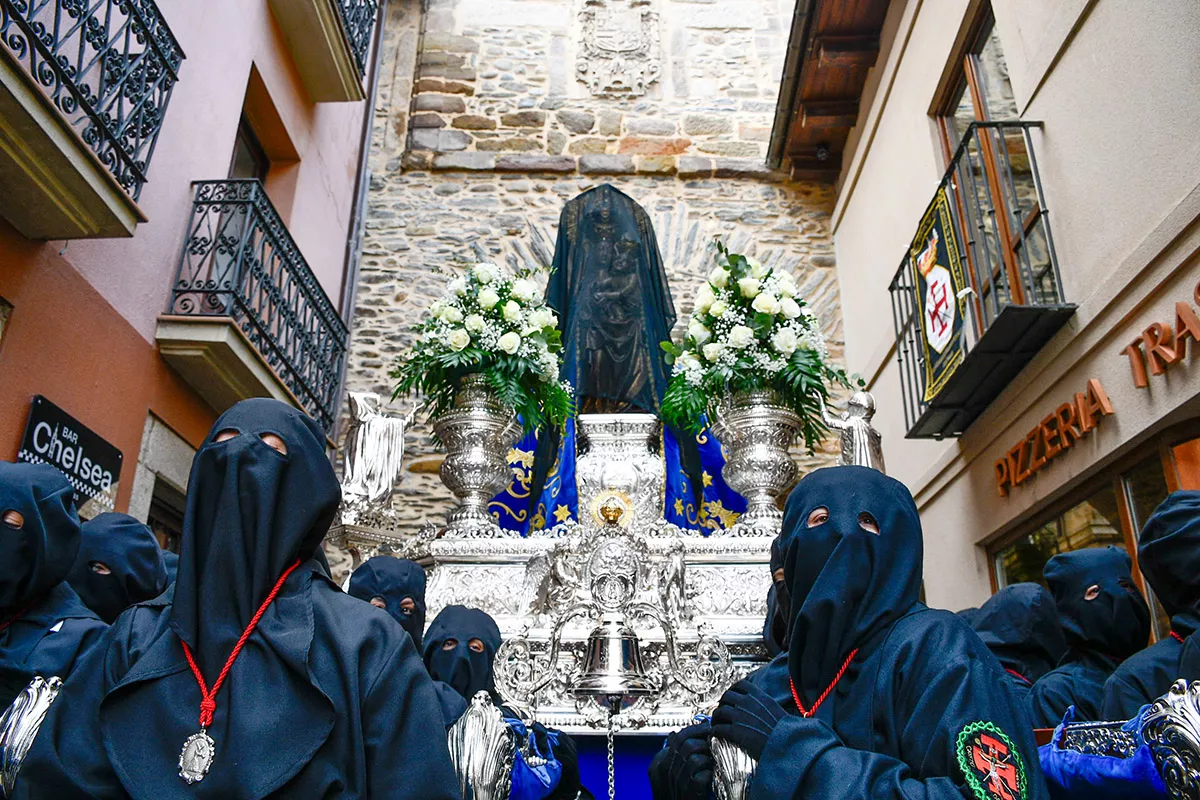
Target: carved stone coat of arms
x=620, y=51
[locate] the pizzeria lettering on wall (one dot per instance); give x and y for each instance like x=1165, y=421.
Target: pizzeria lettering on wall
x=1053, y=436
x=1162, y=346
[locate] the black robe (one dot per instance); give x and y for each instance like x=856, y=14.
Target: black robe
x=328, y=697
x=134, y=560
x=1105, y=620
x=923, y=702
x=1169, y=557
x=1019, y=624
x=47, y=628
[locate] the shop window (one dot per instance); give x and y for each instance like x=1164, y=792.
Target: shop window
x=1145, y=486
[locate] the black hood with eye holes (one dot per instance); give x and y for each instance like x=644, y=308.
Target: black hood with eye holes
x=1116, y=622
x=394, y=579
x=461, y=667
x=1169, y=556
x=136, y=569
x=251, y=512
x=38, y=555
x=846, y=584
x=1019, y=624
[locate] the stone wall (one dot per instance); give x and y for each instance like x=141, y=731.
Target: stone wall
x=484, y=129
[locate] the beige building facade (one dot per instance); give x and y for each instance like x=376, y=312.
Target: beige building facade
x=1076, y=195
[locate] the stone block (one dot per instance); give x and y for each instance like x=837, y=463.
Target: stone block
x=534, y=163
x=694, y=167
x=650, y=126
x=576, y=121
x=447, y=87
x=741, y=168
x=555, y=142
x=590, y=144
x=443, y=103
x=439, y=140
x=516, y=143
x=754, y=133
x=473, y=122
x=731, y=149
x=706, y=124
x=431, y=58
x=640, y=145
x=416, y=160
x=610, y=123
x=600, y=164
x=449, y=42
x=523, y=119
x=464, y=161
x=656, y=165
x=428, y=121
x=447, y=71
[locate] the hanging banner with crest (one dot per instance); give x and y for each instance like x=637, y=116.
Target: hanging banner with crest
x=940, y=284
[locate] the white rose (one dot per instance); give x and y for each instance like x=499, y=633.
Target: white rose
x=787, y=285
x=719, y=277
x=509, y=343
x=452, y=314
x=704, y=299
x=789, y=307
x=757, y=270
x=458, y=286
x=512, y=311
x=713, y=350
x=542, y=318
x=486, y=272
x=741, y=336
x=784, y=341
x=475, y=323
x=765, y=304
x=458, y=339
x=749, y=286
x=689, y=361
x=524, y=290
x=488, y=298
x=699, y=333
x=718, y=309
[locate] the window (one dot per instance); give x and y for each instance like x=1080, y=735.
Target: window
x=249, y=158
x=166, y=515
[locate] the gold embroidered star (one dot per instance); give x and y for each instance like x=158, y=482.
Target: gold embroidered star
x=678, y=506
x=707, y=478
x=562, y=513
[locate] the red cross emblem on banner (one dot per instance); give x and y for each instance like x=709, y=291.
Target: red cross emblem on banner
x=993, y=759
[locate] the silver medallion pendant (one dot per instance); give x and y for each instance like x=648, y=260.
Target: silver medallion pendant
x=196, y=757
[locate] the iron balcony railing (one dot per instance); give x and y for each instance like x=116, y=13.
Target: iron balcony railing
x=1012, y=302
x=107, y=65
x=239, y=261
x=358, y=20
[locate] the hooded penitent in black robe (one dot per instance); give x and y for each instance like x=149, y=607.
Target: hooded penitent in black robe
x=328, y=697
x=47, y=628
x=922, y=710
x=394, y=580
x=1169, y=556
x=1105, y=620
x=1019, y=624
x=128, y=549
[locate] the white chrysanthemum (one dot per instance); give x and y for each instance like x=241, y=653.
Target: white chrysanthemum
x=719, y=277
x=741, y=336
x=509, y=342
x=765, y=304
x=784, y=341
x=488, y=298
x=458, y=339
x=749, y=287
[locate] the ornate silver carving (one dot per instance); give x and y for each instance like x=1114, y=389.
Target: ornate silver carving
x=1099, y=739
x=620, y=52
x=477, y=435
x=19, y=726
x=483, y=751
x=619, y=462
x=374, y=451
x=732, y=769
x=1172, y=729
x=862, y=445
x=756, y=433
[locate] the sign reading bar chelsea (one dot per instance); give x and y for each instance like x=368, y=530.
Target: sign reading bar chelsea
x=938, y=278
x=54, y=437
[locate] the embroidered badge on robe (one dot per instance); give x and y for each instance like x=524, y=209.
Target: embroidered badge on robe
x=990, y=763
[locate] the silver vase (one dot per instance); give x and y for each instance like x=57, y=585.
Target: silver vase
x=757, y=433
x=477, y=434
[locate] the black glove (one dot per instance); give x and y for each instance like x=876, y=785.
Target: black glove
x=683, y=770
x=746, y=717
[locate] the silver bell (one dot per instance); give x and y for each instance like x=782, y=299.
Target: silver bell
x=613, y=671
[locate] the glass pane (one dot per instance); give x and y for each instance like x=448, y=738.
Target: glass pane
x=993, y=77
x=1093, y=523
x=962, y=116
x=1146, y=487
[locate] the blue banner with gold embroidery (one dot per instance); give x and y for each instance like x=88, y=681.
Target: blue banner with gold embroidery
x=559, y=501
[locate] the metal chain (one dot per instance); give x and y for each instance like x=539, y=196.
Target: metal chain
x=612, y=775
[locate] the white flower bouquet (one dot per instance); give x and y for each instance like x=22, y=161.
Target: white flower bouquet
x=749, y=330
x=494, y=324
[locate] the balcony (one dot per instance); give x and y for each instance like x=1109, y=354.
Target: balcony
x=84, y=87
x=247, y=317
x=329, y=41
x=978, y=294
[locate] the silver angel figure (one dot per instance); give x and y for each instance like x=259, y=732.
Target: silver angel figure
x=374, y=451
x=861, y=443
